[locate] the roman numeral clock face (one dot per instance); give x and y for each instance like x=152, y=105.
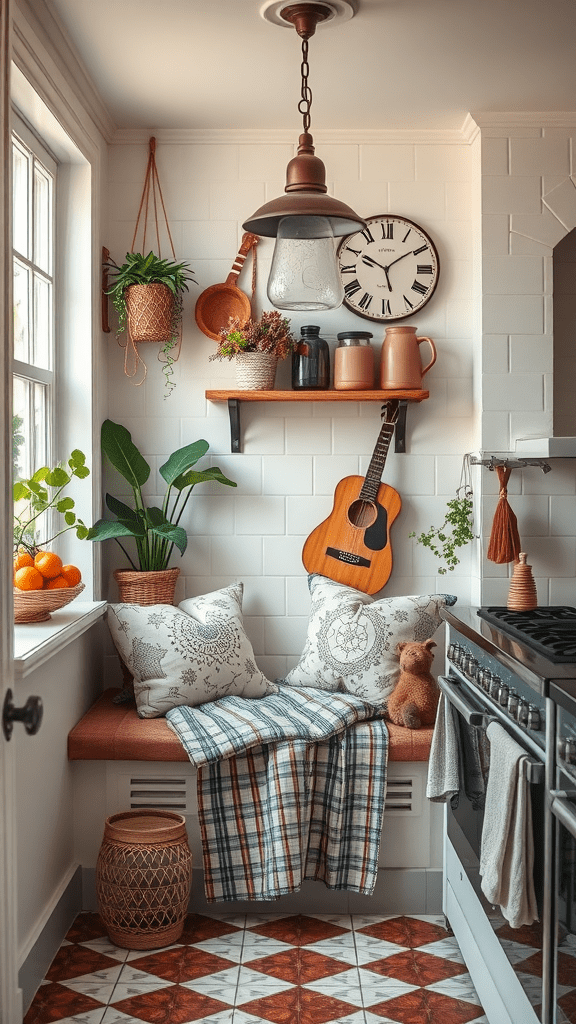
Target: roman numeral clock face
x=389, y=270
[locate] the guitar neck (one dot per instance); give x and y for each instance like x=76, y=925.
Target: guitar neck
x=369, y=489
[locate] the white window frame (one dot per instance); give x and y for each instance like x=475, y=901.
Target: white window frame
x=78, y=379
x=31, y=371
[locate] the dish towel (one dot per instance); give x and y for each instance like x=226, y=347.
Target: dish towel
x=290, y=787
x=444, y=764
x=507, y=847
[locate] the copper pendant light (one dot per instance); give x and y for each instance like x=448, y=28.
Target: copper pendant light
x=305, y=220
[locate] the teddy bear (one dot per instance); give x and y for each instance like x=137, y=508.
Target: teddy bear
x=414, y=699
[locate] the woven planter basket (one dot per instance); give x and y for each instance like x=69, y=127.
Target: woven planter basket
x=36, y=605
x=144, y=878
x=150, y=309
x=146, y=587
x=256, y=371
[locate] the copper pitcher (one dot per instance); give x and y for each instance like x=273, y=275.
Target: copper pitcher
x=401, y=364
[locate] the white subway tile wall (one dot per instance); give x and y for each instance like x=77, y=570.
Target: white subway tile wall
x=294, y=454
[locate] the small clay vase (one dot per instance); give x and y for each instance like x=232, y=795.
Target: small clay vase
x=522, y=595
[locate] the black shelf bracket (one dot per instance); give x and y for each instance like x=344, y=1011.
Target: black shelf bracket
x=234, y=413
x=235, y=429
x=400, y=428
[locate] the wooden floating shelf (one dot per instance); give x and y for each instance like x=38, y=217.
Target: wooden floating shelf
x=234, y=397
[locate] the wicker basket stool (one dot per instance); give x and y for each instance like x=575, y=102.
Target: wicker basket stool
x=143, y=878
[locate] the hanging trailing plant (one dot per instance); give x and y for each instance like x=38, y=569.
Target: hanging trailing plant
x=147, y=290
x=457, y=529
x=147, y=293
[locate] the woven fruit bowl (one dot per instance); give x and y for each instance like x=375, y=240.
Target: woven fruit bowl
x=36, y=605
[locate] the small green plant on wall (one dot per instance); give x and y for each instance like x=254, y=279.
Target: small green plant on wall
x=457, y=530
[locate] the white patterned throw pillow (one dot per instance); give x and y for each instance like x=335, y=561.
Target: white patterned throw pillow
x=190, y=655
x=351, y=641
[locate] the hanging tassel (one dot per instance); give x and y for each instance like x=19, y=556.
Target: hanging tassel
x=504, y=539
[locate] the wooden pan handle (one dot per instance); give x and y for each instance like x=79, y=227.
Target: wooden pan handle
x=248, y=240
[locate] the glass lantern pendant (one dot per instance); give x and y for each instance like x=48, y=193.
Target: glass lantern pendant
x=304, y=272
x=305, y=221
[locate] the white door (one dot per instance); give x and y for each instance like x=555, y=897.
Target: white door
x=10, y=997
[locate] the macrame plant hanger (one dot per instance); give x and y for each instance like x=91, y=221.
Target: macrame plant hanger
x=504, y=543
x=149, y=203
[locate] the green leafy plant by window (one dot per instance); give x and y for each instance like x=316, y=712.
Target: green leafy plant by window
x=155, y=530
x=43, y=492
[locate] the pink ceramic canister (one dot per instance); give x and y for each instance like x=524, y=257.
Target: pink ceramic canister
x=401, y=363
x=354, y=362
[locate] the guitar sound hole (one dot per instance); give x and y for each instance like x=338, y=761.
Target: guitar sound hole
x=362, y=513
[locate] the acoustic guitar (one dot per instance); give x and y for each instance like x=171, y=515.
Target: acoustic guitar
x=352, y=546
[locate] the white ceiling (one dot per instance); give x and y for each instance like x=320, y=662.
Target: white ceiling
x=395, y=64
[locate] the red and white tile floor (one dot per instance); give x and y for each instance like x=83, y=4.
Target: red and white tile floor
x=264, y=969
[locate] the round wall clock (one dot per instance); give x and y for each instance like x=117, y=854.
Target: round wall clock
x=389, y=270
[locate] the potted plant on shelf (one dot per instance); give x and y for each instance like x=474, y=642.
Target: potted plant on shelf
x=147, y=295
x=156, y=531
x=256, y=348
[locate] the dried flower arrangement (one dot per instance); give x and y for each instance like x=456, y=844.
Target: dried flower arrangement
x=271, y=333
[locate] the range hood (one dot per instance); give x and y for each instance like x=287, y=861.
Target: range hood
x=550, y=447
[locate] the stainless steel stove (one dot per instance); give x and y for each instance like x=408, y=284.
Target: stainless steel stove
x=510, y=667
x=550, y=631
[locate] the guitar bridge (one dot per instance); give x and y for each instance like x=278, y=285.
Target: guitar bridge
x=348, y=556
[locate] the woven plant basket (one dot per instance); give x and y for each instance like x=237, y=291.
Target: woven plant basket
x=144, y=878
x=150, y=310
x=36, y=605
x=146, y=587
x=256, y=371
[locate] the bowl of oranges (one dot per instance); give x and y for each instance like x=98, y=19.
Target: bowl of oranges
x=42, y=584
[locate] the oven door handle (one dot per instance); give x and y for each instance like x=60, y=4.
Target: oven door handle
x=565, y=813
x=471, y=716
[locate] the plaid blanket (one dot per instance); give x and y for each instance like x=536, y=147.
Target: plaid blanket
x=290, y=787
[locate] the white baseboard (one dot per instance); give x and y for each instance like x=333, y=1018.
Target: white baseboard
x=398, y=891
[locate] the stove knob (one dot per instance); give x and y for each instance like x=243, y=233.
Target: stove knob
x=484, y=677
x=452, y=651
x=522, y=713
x=533, y=720
x=561, y=748
x=513, y=700
x=458, y=654
x=570, y=751
x=503, y=695
x=495, y=684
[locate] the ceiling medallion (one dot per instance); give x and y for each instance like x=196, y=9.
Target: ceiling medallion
x=336, y=11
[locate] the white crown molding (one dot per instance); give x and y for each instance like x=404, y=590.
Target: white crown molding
x=44, y=53
x=281, y=136
x=524, y=119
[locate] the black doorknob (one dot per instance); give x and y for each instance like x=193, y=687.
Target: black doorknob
x=30, y=715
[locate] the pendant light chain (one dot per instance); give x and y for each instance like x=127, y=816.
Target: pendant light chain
x=306, y=92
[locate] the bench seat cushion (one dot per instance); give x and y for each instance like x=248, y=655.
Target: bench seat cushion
x=115, y=732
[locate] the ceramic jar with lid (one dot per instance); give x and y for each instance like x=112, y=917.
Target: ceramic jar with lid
x=311, y=360
x=354, y=362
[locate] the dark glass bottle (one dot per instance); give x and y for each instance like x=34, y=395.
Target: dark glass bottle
x=311, y=360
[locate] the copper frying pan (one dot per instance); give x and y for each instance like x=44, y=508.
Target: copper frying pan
x=219, y=302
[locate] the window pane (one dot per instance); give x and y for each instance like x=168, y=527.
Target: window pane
x=42, y=218
x=21, y=312
x=29, y=437
x=40, y=425
x=42, y=322
x=20, y=431
x=20, y=185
